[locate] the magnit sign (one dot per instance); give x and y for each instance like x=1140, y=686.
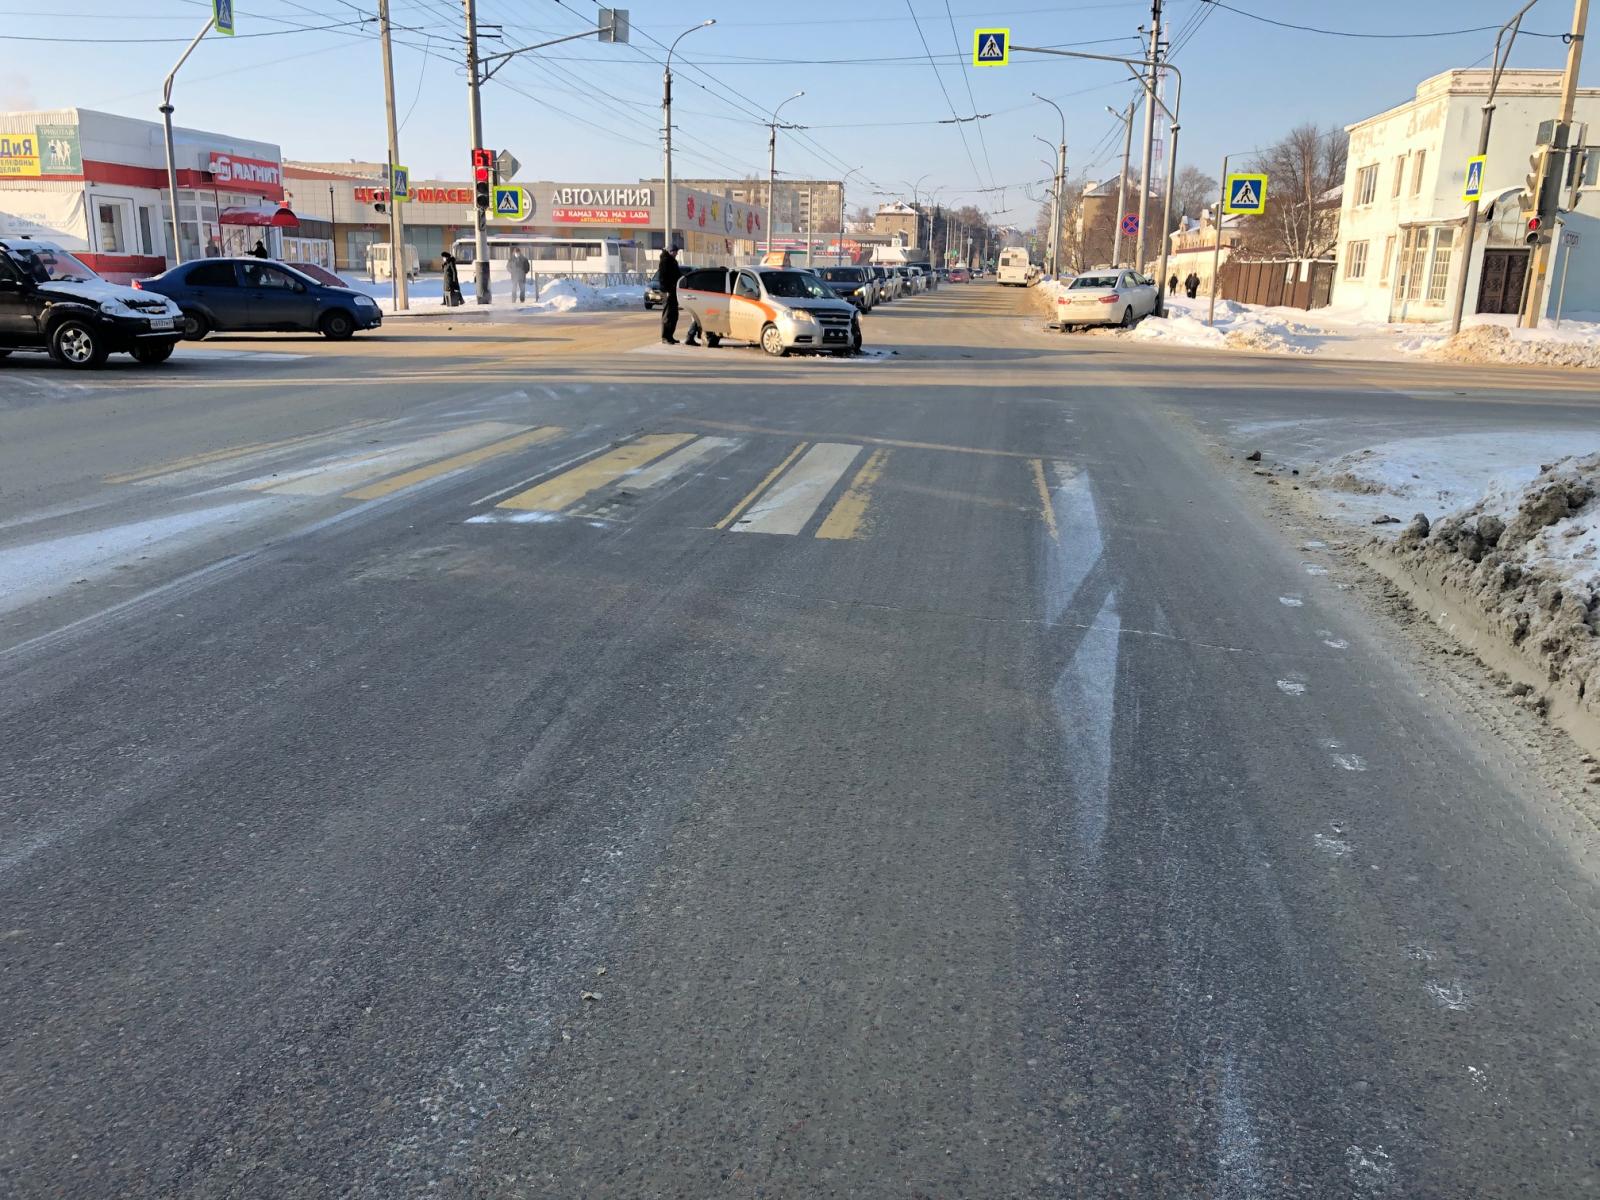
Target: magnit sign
x=253, y=175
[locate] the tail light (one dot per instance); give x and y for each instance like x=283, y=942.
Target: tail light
x=1111, y=299
x=138, y=285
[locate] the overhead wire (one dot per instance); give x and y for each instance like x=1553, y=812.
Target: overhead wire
x=1346, y=33
x=949, y=103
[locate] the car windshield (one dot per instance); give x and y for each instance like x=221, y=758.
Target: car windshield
x=1095, y=281
x=46, y=264
x=795, y=285
x=842, y=274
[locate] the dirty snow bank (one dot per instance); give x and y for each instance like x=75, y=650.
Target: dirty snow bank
x=1527, y=558
x=1575, y=345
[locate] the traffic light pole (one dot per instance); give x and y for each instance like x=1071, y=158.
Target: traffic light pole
x=480, y=215
x=1149, y=133
x=1539, y=266
x=399, y=263
x=1508, y=31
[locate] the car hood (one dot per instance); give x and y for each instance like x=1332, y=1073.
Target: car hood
x=813, y=305
x=92, y=291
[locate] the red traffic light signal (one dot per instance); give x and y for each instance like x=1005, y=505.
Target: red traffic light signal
x=1532, y=236
x=480, y=174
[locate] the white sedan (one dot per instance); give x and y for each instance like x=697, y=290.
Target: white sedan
x=1117, y=297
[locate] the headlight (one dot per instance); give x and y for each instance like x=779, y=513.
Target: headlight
x=111, y=306
x=801, y=316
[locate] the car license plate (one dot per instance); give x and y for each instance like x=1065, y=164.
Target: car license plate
x=162, y=323
x=834, y=335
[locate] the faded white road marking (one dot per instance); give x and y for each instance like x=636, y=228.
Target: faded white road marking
x=1085, y=701
x=1290, y=601
x=1332, y=846
x=1314, y=568
x=1452, y=995
x=680, y=460
x=1291, y=687
x=352, y=470
x=1332, y=642
x=790, y=503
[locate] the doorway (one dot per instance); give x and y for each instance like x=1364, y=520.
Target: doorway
x=1500, y=285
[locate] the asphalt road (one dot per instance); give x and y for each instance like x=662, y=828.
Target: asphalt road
x=533, y=762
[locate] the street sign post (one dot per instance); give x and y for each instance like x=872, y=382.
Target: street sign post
x=222, y=16
x=1569, y=243
x=506, y=166
x=1245, y=194
x=991, y=47
x=1472, y=192
x=1130, y=224
x=510, y=203
x=399, y=183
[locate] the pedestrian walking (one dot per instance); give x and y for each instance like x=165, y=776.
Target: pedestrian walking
x=517, y=264
x=452, y=281
x=1191, y=285
x=260, y=250
x=1172, y=285
x=668, y=275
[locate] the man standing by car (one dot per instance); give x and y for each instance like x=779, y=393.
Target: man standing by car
x=669, y=272
x=517, y=264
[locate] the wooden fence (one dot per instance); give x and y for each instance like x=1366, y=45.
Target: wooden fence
x=1290, y=283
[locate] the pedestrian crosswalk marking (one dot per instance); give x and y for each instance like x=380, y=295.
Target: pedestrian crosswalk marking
x=458, y=462
x=761, y=487
x=789, y=504
x=573, y=485
x=183, y=469
x=350, y=471
x=848, y=518
x=664, y=470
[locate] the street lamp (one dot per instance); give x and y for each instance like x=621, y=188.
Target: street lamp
x=666, y=133
x=842, y=184
x=772, y=163
x=1060, y=173
x=172, y=166
x=916, y=203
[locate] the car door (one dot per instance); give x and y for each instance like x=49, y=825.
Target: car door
x=19, y=305
x=212, y=288
x=705, y=294
x=747, y=311
x=275, y=299
x=1144, y=293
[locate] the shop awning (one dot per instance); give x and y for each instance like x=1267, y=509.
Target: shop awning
x=265, y=215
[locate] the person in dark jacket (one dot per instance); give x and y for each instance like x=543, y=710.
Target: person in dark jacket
x=452, y=281
x=669, y=273
x=1191, y=285
x=260, y=250
x=1172, y=285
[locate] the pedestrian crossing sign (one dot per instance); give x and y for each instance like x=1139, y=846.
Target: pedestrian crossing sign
x=991, y=47
x=222, y=16
x=1246, y=194
x=399, y=182
x=1473, y=191
x=510, y=203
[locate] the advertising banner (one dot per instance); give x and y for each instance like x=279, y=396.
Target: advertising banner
x=600, y=216
x=47, y=150
x=255, y=176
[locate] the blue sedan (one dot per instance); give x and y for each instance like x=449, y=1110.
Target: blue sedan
x=229, y=295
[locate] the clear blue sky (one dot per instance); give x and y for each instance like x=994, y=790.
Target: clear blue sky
x=319, y=93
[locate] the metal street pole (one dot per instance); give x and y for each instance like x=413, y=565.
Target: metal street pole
x=172, y=166
x=842, y=183
x=1511, y=27
x=1149, y=131
x=1539, y=267
x=480, y=218
x=667, y=210
x=1122, y=180
x=1216, y=239
x=772, y=164
x=398, y=262
x=1061, y=171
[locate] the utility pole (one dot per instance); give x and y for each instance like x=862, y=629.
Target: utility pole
x=1500, y=59
x=480, y=217
x=172, y=165
x=667, y=210
x=772, y=164
x=1122, y=180
x=1153, y=74
x=398, y=261
x=1539, y=264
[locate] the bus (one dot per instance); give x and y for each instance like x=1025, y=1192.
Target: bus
x=584, y=257
x=1015, y=269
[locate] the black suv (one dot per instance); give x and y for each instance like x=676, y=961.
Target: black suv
x=49, y=300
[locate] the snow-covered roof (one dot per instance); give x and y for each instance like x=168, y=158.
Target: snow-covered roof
x=898, y=208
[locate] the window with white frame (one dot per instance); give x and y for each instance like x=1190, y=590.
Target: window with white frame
x=1388, y=258
x=1439, y=275
x=1399, y=174
x=1367, y=185
x=1408, y=284
x=1355, y=260
x=1416, y=172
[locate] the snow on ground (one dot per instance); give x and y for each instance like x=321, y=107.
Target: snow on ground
x=1343, y=332
x=426, y=295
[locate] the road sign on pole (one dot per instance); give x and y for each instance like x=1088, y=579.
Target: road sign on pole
x=506, y=165
x=991, y=47
x=222, y=16
x=1472, y=192
x=510, y=203
x=1130, y=223
x=399, y=183
x=1245, y=194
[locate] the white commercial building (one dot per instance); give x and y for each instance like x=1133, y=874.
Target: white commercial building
x=1403, y=222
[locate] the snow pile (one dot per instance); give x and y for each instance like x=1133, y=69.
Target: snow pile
x=1495, y=343
x=565, y=295
x=1529, y=557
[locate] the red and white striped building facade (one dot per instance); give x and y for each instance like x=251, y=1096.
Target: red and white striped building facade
x=96, y=184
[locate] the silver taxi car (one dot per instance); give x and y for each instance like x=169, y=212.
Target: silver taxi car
x=778, y=308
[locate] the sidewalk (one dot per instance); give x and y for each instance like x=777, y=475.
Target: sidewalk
x=425, y=299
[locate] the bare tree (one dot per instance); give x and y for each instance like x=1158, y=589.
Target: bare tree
x=1305, y=169
x=1193, y=191
x=862, y=217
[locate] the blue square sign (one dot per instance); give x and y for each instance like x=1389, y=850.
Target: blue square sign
x=222, y=16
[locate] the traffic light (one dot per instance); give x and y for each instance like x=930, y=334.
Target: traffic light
x=1533, y=182
x=482, y=166
x=1533, y=237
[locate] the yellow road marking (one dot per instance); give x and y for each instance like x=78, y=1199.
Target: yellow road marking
x=1047, y=508
x=387, y=487
x=846, y=519
x=760, y=487
x=213, y=456
x=571, y=486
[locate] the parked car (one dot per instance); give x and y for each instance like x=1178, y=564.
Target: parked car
x=855, y=284
x=230, y=295
x=959, y=275
x=320, y=273
x=909, y=283
x=888, y=282
x=778, y=308
x=930, y=277
x=1107, y=298
x=49, y=300
x=652, y=291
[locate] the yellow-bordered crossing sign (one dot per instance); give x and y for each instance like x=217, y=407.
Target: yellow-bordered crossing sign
x=991, y=47
x=1246, y=194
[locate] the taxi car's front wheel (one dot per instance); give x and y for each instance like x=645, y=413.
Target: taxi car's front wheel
x=772, y=341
